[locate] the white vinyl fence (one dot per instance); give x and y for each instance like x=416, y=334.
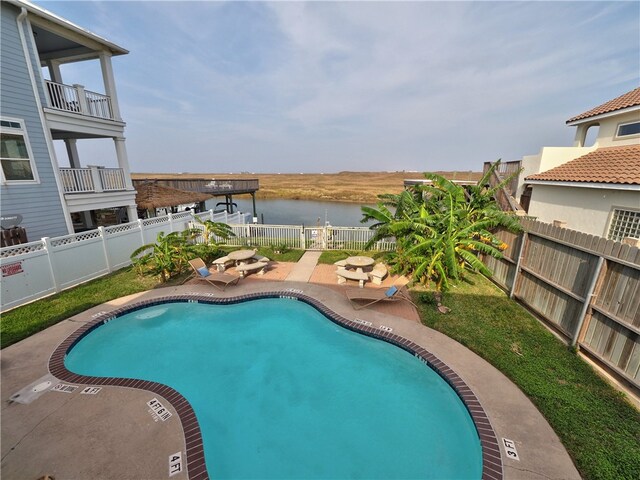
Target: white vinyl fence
x=305, y=238
x=34, y=270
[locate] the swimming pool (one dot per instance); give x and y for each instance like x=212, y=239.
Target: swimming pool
x=281, y=392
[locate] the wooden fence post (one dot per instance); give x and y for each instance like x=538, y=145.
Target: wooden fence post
x=525, y=237
x=587, y=301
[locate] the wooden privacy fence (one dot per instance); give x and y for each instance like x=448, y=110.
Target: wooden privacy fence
x=586, y=287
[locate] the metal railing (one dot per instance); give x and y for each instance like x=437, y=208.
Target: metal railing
x=75, y=99
x=93, y=179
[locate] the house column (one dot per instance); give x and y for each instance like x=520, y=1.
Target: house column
x=72, y=152
x=581, y=133
x=54, y=70
x=132, y=213
x=110, y=84
x=123, y=160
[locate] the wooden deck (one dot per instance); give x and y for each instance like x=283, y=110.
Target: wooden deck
x=211, y=186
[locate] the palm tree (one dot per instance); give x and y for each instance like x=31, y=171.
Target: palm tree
x=213, y=231
x=213, y=235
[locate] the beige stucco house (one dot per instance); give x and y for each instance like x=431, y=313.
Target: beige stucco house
x=593, y=189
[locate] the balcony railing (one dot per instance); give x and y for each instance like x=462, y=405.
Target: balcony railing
x=93, y=179
x=75, y=99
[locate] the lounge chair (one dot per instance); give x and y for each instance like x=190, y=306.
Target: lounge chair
x=214, y=278
x=369, y=296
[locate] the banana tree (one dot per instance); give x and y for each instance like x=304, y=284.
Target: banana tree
x=440, y=228
x=164, y=258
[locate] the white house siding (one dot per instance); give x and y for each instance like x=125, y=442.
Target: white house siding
x=39, y=204
x=584, y=209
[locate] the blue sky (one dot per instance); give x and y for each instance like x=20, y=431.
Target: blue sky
x=332, y=86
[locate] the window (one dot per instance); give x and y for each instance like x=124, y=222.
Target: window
x=626, y=129
x=624, y=223
x=15, y=153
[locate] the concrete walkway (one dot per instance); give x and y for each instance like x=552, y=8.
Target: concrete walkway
x=302, y=270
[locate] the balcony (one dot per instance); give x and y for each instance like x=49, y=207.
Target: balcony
x=75, y=99
x=92, y=180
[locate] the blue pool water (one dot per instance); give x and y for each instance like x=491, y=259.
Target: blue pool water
x=282, y=392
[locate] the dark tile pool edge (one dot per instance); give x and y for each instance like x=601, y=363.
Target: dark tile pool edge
x=492, y=468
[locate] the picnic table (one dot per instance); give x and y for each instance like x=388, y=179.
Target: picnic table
x=241, y=256
x=359, y=262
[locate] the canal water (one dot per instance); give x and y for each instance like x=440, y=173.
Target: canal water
x=299, y=212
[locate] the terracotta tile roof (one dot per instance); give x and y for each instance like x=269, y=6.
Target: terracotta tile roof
x=619, y=165
x=629, y=99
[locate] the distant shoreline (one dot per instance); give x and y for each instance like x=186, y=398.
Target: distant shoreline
x=356, y=187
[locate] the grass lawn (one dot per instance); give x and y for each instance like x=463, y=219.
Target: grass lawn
x=24, y=321
x=291, y=255
x=598, y=427
x=288, y=256
x=329, y=257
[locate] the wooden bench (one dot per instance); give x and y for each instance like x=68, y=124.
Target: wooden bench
x=378, y=273
x=247, y=268
x=222, y=263
x=344, y=275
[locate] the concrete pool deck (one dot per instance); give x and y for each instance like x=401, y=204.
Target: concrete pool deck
x=113, y=433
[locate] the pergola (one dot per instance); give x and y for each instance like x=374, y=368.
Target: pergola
x=150, y=196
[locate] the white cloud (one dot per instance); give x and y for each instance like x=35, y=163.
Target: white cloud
x=360, y=85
